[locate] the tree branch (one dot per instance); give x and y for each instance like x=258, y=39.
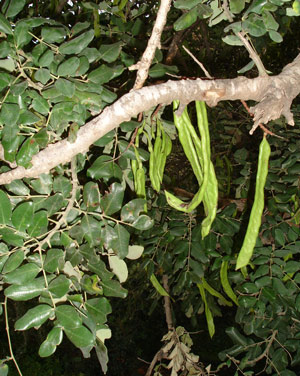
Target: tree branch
x=274, y=94
x=154, y=42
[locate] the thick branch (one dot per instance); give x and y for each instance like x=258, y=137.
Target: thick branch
x=274, y=94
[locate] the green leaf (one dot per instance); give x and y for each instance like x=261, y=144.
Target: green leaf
x=22, y=216
x=65, y=87
x=34, y=317
x=254, y=25
x=84, y=66
x=99, y=268
x=5, y=25
x=101, y=75
x=232, y=40
x=22, y=275
x=113, y=288
x=98, y=308
x=18, y=188
x=68, y=316
x=236, y=6
x=91, y=196
x=186, y=20
x=4, y=369
x=236, y=336
x=10, y=141
x=110, y=52
x=102, y=356
x=63, y=185
x=79, y=26
x=279, y=236
x=275, y=36
x=54, y=260
x=7, y=64
x=43, y=184
x=14, y=261
x=68, y=67
x=131, y=211
x=118, y=267
x=21, y=34
x=5, y=208
x=9, y=114
x=46, y=349
x=112, y=201
x=143, y=223
x=42, y=75
x=53, y=339
x=5, y=78
x=292, y=267
x=53, y=34
x=80, y=337
x=59, y=286
x=26, y=291
x=135, y=252
x=51, y=204
x=120, y=244
x=27, y=118
x=296, y=6
x=40, y=105
x=29, y=148
x=104, y=168
x=46, y=59
x=11, y=238
x=15, y=7
x=269, y=21
x=92, y=230
x=76, y=45
x=186, y=4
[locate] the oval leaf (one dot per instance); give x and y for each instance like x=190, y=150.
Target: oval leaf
x=34, y=317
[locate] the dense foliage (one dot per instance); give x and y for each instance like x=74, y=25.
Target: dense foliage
x=68, y=236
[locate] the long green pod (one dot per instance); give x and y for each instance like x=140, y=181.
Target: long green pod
x=225, y=282
x=203, y=125
x=214, y=292
x=258, y=206
x=195, y=152
x=208, y=314
x=152, y=173
x=187, y=143
x=210, y=201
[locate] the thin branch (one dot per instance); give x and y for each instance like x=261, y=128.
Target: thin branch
x=252, y=53
x=154, y=42
x=266, y=351
x=8, y=338
x=157, y=357
x=198, y=62
x=167, y=303
x=70, y=205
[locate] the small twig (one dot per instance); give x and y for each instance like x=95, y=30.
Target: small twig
x=70, y=205
x=253, y=54
x=8, y=338
x=157, y=357
x=167, y=303
x=127, y=147
x=265, y=129
x=198, y=62
x=154, y=42
x=266, y=351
